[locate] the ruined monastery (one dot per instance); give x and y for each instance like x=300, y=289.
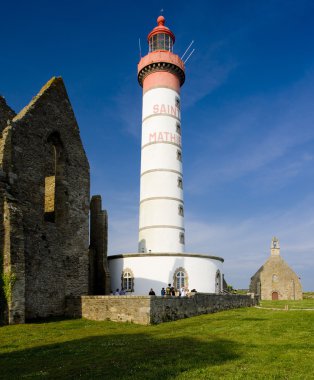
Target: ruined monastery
x=44, y=211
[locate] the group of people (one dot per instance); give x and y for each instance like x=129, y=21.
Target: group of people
x=170, y=291
x=118, y=292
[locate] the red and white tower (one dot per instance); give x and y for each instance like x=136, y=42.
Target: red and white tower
x=161, y=258
x=161, y=73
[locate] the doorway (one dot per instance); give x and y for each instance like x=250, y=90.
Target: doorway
x=274, y=296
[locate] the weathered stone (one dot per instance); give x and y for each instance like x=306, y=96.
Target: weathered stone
x=45, y=250
x=275, y=279
x=99, y=269
x=147, y=310
x=6, y=114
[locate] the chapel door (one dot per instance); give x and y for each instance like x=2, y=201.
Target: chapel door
x=274, y=296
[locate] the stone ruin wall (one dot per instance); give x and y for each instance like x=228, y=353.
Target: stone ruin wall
x=147, y=310
x=46, y=251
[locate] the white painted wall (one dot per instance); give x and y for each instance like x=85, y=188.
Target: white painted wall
x=157, y=271
x=160, y=223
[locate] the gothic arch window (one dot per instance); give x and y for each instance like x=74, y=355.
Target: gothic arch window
x=180, y=278
x=53, y=165
x=127, y=280
x=218, y=282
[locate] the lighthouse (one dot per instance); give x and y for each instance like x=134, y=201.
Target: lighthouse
x=161, y=74
x=161, y=258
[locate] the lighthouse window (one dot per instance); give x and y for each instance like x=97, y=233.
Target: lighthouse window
x=181, y=211
x=180, y=277
x=127, y=280
x=177, y=102
x=178, y=128
x=160, y=41
x=179, y=155
x=181, y=238
x=180, y=183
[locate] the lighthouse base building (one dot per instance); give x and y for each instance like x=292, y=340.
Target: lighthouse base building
x=138, y=273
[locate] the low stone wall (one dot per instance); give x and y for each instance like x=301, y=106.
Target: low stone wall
x=151, y=309
x=171, y=309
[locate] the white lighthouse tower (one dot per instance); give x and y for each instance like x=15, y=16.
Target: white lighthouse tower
x=161, y=74
x=161, y=258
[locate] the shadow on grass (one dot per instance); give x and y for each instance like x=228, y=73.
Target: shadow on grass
x=128, y=356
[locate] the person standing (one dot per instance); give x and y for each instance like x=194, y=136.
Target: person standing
x=163, y=292
x=151, y=292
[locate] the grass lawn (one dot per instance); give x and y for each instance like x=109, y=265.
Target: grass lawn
x=237, y=344
x=301, y=304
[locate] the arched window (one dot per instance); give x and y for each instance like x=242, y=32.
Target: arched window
x=52, y=173
x=218, y=282
x=50, y=185
x=127, y=280
x=180, y=279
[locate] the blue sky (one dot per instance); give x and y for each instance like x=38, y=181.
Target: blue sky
x=247, y=114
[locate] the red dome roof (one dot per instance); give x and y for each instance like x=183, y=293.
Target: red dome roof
x=161, y=28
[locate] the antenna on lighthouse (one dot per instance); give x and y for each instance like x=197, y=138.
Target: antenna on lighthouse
x=187, y=49
x=140, y=48
x=189, y=56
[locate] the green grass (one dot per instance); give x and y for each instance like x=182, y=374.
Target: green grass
x=307, y=295
x=301, y=304
x=237, y=344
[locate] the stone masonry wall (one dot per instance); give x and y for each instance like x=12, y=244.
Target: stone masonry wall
x=151, y=309
x=171, y=309
x=43, y=141
x=276, y=276
x=6, y=113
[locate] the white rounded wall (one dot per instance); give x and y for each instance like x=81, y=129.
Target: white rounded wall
x=157, y=271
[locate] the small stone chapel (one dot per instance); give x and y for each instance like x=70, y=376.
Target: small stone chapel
x=275, y=280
